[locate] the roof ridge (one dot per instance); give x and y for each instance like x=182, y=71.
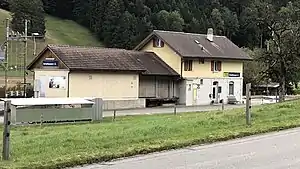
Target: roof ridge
x=86, y=47
x=186, y=33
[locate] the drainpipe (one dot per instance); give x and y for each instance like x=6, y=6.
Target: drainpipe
x=68, y=90
x=181, y=65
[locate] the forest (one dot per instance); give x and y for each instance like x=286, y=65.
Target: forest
x=123, y=23
x=267, y=29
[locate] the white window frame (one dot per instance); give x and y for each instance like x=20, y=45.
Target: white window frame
x=158, y=43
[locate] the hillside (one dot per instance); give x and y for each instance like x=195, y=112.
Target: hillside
x=58, y=31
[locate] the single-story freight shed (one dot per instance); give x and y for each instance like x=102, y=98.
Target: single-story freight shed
x=111, y=74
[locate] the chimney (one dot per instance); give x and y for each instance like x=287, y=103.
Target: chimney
x=210, y=34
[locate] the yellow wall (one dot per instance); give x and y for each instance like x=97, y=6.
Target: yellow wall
x=166, y=54
x=199, y=70
x=45, y=75
x=204, y=70
x=109, y=86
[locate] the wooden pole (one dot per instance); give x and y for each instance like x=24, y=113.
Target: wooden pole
x=115, y=112
x=223, y=105
x=175, y=109
x=248, y=104
x=6, y=131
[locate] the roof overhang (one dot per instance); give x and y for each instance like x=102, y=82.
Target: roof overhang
x=149, y=37
x=217, y=57
x=30, y=66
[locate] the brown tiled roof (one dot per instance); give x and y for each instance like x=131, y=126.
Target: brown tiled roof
x=94, y=58
x=196, y=45
x=154, y=65
x=108, y=59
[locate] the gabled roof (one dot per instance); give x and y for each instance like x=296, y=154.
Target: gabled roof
x=107, y=59
x=197, y=45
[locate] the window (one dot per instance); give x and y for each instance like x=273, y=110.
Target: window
x=219, y=89
x=231, y=88
x=216, y=66
x=158, y=43
x=188, y=65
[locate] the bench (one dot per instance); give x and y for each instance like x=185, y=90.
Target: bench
x=231, y=100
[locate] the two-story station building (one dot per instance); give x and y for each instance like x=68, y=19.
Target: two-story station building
x=210, y=66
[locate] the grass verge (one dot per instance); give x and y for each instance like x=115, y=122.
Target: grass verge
x=58, y=146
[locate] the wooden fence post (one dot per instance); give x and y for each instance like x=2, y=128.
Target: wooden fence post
x=115, y=112
x=248, y=104
x=6, y=131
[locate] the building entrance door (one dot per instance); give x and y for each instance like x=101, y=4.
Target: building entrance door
x=215, y=93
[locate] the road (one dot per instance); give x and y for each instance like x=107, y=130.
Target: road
x=278, y=150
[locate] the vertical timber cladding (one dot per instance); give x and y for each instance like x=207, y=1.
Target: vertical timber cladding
x=51, y=76
x=157, y=86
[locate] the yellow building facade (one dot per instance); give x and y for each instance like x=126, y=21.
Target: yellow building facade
x=211, y=67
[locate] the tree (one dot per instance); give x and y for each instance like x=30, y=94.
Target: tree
x=4, y=4
x=231, y=23
x=112, y=15
x=127, y=31
x=282, y=58
x=217, y=21
x=253, y=70
x=170, y=21
x=31, y=10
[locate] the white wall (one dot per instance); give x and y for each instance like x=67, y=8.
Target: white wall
x=42, y=78
x=182, y=92
x=200, y=96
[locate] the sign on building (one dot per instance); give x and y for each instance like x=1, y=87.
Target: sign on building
x=50, y=63
x=232, y=74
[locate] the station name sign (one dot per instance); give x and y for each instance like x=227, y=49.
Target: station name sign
x=50, y=62
x=232, y=74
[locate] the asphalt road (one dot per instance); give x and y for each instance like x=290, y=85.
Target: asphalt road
x=278, y=150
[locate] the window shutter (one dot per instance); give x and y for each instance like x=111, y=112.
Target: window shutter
x=162, y=44
x=219, y=65
x=212, y=65
x=154, y=42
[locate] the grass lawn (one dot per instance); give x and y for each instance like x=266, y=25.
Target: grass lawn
x=68, y=145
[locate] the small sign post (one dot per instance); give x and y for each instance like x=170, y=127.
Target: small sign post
x=248, y=104
x=6, y=131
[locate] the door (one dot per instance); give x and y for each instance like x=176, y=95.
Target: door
x=215, y=92
x=189, y=93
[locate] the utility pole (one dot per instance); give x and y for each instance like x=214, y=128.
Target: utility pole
x=6, y=56
x=25, y=55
